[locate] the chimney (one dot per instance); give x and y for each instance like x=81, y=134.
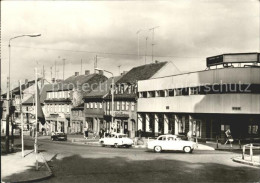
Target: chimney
x=53, y=80
x=123, y=73
x=156, y=61
x=76, y=73
x=25, y=81
x=87, y=72
x=101, y=72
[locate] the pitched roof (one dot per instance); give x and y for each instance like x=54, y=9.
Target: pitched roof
x=43, y=94
x=102, y=89
x=85, y=82
x=141, y=72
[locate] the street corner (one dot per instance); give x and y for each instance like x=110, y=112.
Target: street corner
x=23, y=169
x=255, y=161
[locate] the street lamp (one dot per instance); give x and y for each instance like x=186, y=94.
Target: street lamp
x=112, y=91
x=8, y=92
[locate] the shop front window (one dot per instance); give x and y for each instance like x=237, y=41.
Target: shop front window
x=196, y=128
x=181, y=125
x=253, y=129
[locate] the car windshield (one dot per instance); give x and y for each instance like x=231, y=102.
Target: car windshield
x=121, y=136
x=162, y=138
x=171, y=139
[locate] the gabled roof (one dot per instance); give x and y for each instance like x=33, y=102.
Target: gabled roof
x=103, y=89
x=16, y=90
x=43, y=94
x=142, y=72
x=83, y=81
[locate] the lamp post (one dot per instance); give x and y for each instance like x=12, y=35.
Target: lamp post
x=112, y=92
x=8, y=88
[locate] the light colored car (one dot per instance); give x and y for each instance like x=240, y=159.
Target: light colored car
x=170, y=142
x=116, y=140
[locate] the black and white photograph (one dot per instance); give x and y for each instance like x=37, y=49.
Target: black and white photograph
x=130, y=91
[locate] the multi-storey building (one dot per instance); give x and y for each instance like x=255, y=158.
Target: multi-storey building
x=94, y=106
x=125, y=96
x=224, y=96
x=66, y=95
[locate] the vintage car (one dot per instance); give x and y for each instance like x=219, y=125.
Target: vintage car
x=171, y=142
x=116, y=140
x=58, y=136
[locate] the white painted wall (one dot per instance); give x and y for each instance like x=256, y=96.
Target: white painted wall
x=213, y=103
x=225, y=75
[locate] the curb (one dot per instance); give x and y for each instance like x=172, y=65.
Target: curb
x=246, y=162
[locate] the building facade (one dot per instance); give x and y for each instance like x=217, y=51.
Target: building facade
x=125, y=96
x=206, y=103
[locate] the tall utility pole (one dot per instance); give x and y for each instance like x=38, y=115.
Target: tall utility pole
x=55, y=72
x=152, y=29
x=95, y=63
x=145, y=49
x=51, y=72
x=63, y=68
x=119, y=68
x=81, y=67
x=138, y=42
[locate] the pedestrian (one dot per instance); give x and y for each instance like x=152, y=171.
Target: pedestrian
x=86, y=133
x=189, y=135
x=229, y=137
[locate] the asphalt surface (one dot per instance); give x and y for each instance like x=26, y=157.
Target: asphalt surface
x=81, y=163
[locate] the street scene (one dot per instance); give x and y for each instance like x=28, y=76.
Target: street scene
x=100, y=91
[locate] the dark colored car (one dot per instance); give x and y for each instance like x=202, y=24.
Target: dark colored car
x=59, y=136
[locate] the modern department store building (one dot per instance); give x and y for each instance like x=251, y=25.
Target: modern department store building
x=224, y=96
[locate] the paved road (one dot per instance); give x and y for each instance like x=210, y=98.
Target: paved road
x=79, y=163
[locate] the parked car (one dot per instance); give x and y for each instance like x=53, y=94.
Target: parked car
x=171, y=142
x=116, y=140
x=58, y=136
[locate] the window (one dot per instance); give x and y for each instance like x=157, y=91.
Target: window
x=160, y=93
x=151, y=93
x=181, y=125
x=62, y=108
x=80, y=113
x=162, y=138
x=127, y=106
x=253, y=129
x=117, y=106
x=68, y=108
x=95, y=105
x=87, y=105
x=196, y=126
x=50, y=108
x=171, y=92
x=116, y=89
x=123, y=105
x=121, y=89
x=132, y=106
x=129, y=89
x=91, y=105
x=194, y=91
x=100, y=105
x=108, y=105
x=178, y=92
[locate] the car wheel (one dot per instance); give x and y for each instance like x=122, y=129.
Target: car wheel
x=102, y=144
x=157, y=149
x=116, y=145
x=187, y=149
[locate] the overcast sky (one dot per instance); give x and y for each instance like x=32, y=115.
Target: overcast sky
x=189, y=32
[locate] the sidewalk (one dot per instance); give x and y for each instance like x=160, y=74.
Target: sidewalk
x=255, y=160
x=18, y=169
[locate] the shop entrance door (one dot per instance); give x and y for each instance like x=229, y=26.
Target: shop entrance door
x=125, y=127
